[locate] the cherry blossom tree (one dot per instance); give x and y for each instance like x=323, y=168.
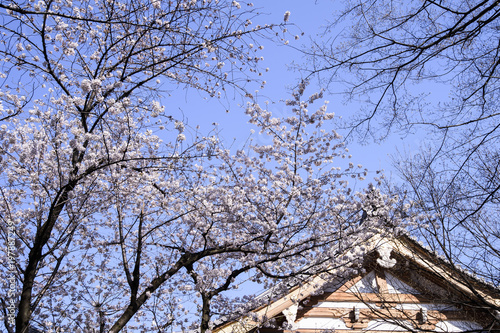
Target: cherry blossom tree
x=112, y=223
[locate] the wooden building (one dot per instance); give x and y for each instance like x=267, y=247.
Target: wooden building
x=404, y=288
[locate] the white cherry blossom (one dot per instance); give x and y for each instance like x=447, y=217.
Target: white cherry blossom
x=112, y=215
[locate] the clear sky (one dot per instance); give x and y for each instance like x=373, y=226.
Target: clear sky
x=307, y=16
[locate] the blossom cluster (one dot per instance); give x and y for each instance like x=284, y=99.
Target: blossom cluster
x=120, y=217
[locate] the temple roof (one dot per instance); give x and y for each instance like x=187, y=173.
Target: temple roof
x=402, y=286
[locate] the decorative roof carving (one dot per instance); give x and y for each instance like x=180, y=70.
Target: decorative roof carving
x=384, y=252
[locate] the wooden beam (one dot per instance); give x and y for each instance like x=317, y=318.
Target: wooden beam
x=374, y=297
x=414, y=315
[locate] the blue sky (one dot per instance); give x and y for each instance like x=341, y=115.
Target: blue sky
x=307, y=17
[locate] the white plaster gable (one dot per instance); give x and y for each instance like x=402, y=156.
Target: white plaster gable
x=367, y=284
x=384, y=325
x=347, y=305
x=396, y=286
x=322, y=324
x=427, y=306
x=457, y=326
